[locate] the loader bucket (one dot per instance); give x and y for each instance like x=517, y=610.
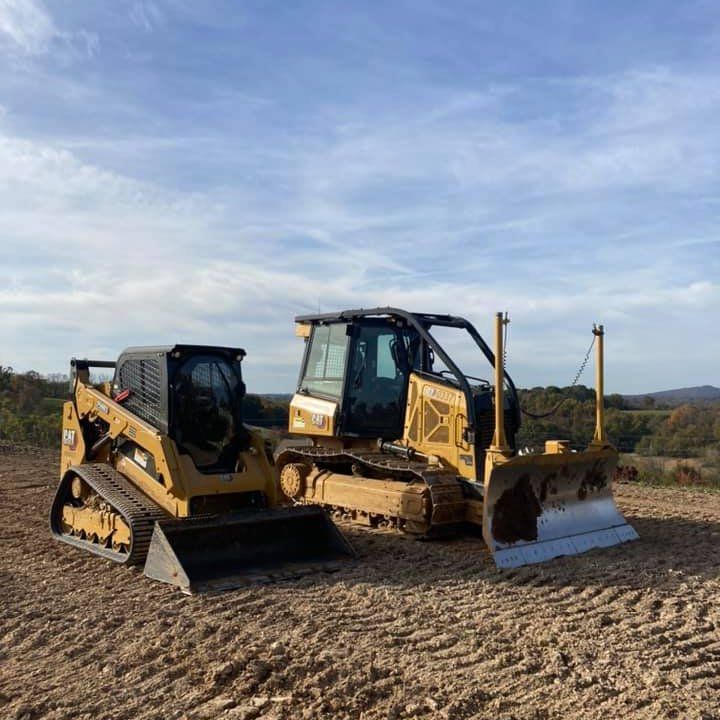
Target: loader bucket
x=226, y=551
x=538, y=507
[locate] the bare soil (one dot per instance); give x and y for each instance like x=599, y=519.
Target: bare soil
x=412, y=630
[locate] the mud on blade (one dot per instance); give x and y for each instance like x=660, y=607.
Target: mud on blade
x=537, y=507
x=223, y=552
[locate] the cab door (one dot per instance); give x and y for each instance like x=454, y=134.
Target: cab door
x=376, y=382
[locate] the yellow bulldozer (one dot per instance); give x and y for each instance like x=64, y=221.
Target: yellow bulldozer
x=394, y=433
x=157, y=467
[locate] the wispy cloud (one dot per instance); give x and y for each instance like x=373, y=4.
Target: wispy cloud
x=25, y=25
x=210, y=183
x=146, y=15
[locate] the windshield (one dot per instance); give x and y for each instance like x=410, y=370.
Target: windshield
x=325, y=365
x=208, y=392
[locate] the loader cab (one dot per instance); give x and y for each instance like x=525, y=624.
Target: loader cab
x=358, y=364
x=193, y=394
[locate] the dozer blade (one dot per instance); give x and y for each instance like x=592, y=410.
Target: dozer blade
x=223, y=552
x=537, y=507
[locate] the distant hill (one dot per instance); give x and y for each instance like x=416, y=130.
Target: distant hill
x=679, y=396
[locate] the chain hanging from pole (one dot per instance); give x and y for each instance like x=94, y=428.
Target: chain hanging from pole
x=584, y=362
x=578, y=374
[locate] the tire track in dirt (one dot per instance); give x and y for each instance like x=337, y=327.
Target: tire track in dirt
x=413, y=630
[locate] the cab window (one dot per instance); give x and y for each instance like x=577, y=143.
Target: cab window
x=325, y=365
x=377, y=384
x=207, y=418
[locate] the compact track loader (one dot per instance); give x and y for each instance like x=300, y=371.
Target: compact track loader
x=397, y=435
x=158, y=468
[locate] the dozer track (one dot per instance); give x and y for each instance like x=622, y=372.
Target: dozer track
x=136, y=510
x=444, y=505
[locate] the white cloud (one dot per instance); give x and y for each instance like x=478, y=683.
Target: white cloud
x=145, y=15
x=447, y=208
x=635, y=136
x=27, y=26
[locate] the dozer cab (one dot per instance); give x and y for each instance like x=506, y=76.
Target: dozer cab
x=398, y=435
x=158, y=468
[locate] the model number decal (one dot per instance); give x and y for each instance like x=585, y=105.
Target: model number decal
x=437, y=393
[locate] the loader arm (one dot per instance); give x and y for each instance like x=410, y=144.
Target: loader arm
x=152, y=460
x=167, y=484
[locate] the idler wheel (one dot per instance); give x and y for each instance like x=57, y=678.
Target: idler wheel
x=292, y=480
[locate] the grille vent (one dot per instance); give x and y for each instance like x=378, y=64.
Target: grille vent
x=142, y=377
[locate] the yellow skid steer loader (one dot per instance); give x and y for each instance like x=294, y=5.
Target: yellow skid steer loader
x=397, y=435
x=158, y=468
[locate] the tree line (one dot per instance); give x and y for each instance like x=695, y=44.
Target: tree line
x=689, y=430
x=30, y=412
x=31, y=408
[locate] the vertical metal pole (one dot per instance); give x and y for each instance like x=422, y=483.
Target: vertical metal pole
x=499, y=443
x=599, y=438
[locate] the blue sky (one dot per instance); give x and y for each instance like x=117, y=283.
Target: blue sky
x=202, y=172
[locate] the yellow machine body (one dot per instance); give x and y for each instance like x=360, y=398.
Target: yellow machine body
x=436, y=424
x=448, y=460
x=312, y=416
x=177, y=480
x=135, y=490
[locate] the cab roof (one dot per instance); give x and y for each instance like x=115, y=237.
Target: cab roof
x=181, y=348
x=413, y=317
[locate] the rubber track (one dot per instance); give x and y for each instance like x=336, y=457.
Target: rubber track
x=437, y=480
x=138, y=511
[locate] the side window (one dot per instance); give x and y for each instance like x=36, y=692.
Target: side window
x=206, y=412
x=213, y=382
x=386, y=367
x=326, y=360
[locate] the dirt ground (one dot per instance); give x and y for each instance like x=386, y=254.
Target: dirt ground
x=412, y=630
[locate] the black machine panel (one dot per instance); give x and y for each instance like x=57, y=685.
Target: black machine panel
x=191, y=392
